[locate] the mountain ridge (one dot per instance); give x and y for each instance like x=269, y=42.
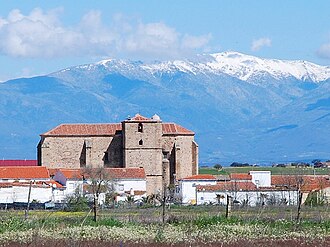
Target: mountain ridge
x=237, y=114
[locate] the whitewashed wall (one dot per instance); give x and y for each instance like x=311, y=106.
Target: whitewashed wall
x=261, y=178
x=187, y=189
x=20, y=194
x=122, y=185
x=252, y=198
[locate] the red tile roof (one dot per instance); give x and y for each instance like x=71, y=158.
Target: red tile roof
x=201, y=177
x=305, y=183
x=24, y=172
x=240, y=176
x=108, y=130
x=57, y=184
x=72, y=173
x=126, y=173
x=111, y=173
x=84, y=130
x=20, y=184
x=228, y=186
x=175, y=129
x=52, y=171
x=18, y=163
x=138, y=117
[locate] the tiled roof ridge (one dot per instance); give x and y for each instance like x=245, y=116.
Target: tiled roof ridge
x=107, y=129
x=139, y=117
x=174, y=128
x=84, y=129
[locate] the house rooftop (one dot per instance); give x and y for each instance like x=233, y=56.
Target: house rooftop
x=228, y=186
x=18, y=163
x=109, y=173
x=24, y=172
x=240, y=176
x=200, y=177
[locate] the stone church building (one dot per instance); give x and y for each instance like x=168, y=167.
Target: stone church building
x=135, y=142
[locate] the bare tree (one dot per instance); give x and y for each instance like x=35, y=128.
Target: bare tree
x=99, y=182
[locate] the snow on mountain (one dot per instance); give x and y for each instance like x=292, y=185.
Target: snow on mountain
x=246, y=67
x=241, y=66
x=242, y=108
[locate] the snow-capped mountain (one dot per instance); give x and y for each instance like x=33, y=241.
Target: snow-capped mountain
x=238, y=65
x=242, y=108
x=247, y=68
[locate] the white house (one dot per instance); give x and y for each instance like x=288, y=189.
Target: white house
x=15, y=182
x=128, y=181
x=41, y=192
x=123, y=182
x=244, y=193
x=261, y=178
x=72, y=180
x=187, y=187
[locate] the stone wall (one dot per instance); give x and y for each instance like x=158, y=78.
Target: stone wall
x=143, y=148
x=154, y=184
x=76, y=152
x=139, y=144
x=185, y=161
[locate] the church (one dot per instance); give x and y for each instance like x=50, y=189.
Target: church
x=135, y=142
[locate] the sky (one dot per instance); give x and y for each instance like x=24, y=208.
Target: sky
x=40, y=37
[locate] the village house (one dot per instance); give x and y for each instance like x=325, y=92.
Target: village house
x=160, y=148
x=24, y=174
x=245, y=193
x=121, y=182
x=17, y=181
x=187, y=187
x=254, y=188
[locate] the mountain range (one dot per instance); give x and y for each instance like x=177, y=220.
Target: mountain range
x=242, y=108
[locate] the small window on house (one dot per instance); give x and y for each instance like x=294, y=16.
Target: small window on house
x=140, y=127
x=141, y=142
x=121, y=187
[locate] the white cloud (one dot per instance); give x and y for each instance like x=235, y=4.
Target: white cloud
x=324, y=51
x=259, y=43
x=195, y=42
x=42, y=35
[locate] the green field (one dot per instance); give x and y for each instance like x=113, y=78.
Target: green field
x=185, y=226
x=274, y=170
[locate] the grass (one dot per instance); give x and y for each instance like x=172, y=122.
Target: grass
x=274, y=170
x=201, y=231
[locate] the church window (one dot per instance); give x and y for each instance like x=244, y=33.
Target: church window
x=141, y=142
x=140, y=127
x=165, y=155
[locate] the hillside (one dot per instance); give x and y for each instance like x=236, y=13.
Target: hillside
x=242, y=108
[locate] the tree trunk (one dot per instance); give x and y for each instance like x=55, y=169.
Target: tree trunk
x=95, y=208
x=299, y=206
x=28, y=202
x=228, y=206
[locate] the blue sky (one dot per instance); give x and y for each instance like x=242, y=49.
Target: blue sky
x=39, y=37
